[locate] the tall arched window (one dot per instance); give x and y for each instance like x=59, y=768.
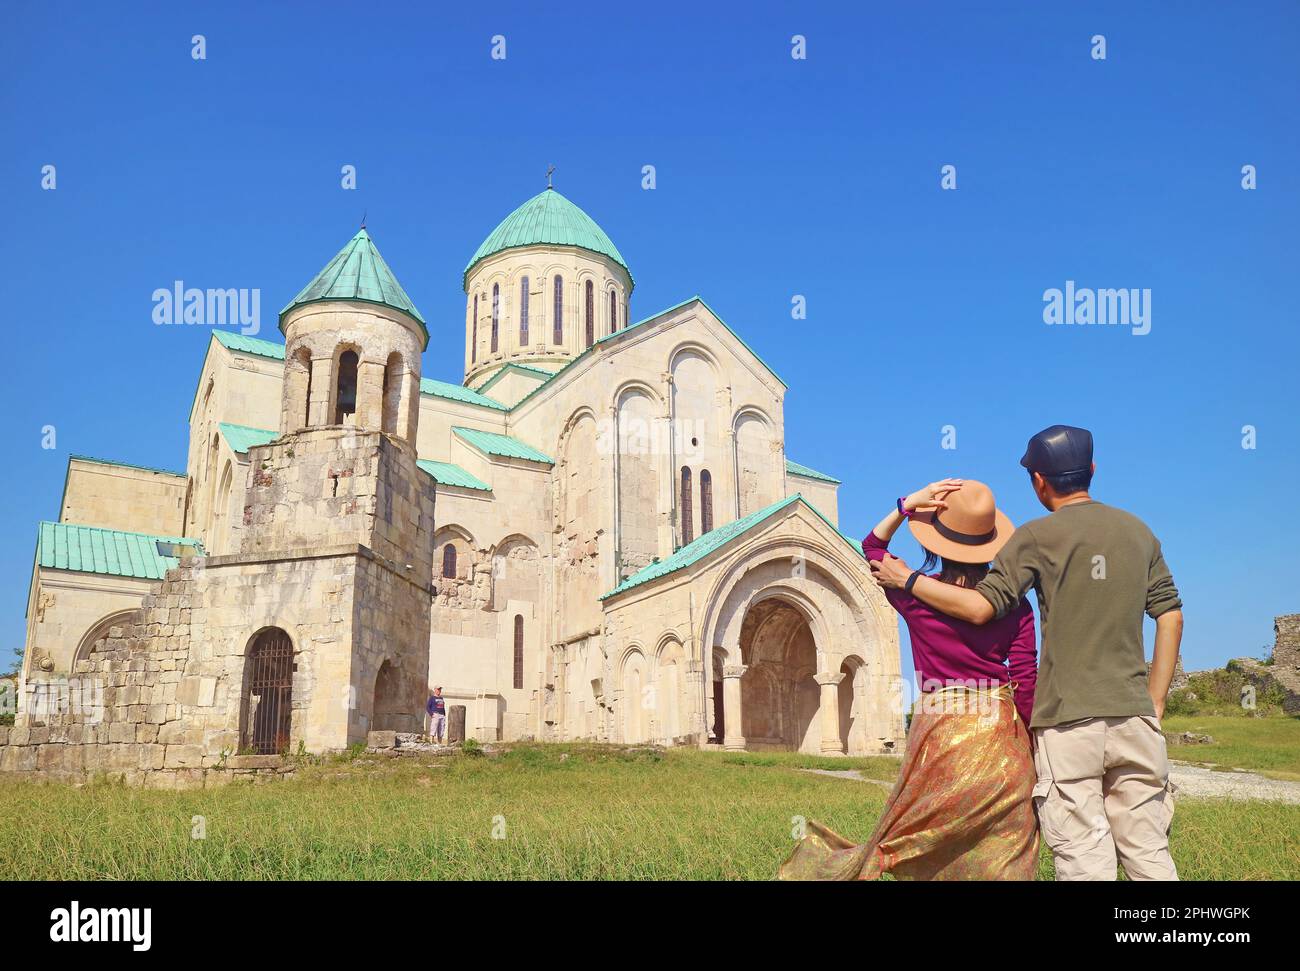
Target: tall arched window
x=496, y=314
x=345, y=398
x=473, y=332
x=519, y=650
x=267, y=707
x=558, y=325
x=613, y=311
x=706, y=501
x=591, y=314
x=449, y=561
x=688, y=507
x=523, y=312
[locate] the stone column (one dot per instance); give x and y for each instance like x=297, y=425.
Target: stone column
x=734, y=738
x=832, y=744
x=370, y=395
x=321, y=394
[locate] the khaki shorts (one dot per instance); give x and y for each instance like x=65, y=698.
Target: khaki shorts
x=1103, y=793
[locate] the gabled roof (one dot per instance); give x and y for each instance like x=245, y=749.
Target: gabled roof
x=504, y=446
x=241, y=438
x=548, y=218
x=715, y=539
x=529, y=370
x=618, y=334
x=450, y=474
x=113, y=552
x=794, y=468
x=236, y=341
x=458, y=392
x=357, y=272
x=124, y=465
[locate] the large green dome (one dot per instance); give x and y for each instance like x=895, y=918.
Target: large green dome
x=547, y=218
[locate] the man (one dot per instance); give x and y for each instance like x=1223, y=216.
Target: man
x=437, y=709
x=1103, y=772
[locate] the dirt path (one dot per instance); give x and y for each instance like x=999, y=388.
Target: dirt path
x=1193, y=781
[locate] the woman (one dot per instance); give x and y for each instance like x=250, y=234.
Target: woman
x=961, y=809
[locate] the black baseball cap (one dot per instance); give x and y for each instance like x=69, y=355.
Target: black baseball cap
x=1059, y=450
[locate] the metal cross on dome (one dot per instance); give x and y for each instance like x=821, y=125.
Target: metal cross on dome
x=549, y=169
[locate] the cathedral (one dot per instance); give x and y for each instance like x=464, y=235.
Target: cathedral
x=596, y=535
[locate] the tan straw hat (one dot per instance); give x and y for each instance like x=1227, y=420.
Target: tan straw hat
x=971, y=530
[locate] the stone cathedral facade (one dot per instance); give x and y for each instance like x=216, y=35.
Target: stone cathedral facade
x=596, y=534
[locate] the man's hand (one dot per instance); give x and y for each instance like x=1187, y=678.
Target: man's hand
x=891, y=572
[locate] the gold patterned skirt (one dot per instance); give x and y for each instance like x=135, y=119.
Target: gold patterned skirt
x=962, y=808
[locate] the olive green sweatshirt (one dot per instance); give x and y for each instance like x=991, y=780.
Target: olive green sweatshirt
x=1096, y=570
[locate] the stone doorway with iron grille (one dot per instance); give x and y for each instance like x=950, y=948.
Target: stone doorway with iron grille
x=267, y=710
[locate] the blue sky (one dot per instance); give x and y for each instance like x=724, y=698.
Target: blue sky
x=775, y=177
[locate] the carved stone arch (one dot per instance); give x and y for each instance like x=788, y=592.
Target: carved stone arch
x=460, y=562
x=633, y=679
x=99, y=630
x=516, y=571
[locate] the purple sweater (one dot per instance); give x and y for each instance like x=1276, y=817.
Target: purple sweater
x=945, y=649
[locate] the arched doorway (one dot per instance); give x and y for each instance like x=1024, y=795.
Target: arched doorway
x=854, y=671
x=268, y=694
x=779, y=691
x=388, y=715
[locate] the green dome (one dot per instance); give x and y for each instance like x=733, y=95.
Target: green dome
x=547, y=218
x=357, y=272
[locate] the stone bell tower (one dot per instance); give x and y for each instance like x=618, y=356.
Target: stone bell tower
x=338, y=503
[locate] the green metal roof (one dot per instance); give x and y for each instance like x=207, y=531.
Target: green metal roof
x=715, y=539
x=794, y=468
x=547, y=219
x=450, y=474
x=502, y=445
x=90, y=549
x=249, y=345
x=357, y=272
x=125, y=465
x=457, y=392
x=241, y=438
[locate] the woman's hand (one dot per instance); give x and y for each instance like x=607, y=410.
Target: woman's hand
x=931, y=498
x=891, y=572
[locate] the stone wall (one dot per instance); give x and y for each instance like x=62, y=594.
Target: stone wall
x=1284, y=671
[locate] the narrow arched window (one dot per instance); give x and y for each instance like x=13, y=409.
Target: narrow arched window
x=345, y=398
x=613, y=311
x=519, y=650
x=523, y=312
x=496, y=314
x=706, y=501
x=591, y=314
x=558, y=326
x=449, y=561
x=473, y=332
x=688, y=507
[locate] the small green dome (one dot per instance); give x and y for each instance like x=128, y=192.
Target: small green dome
x=357, y=272
x=547, y=218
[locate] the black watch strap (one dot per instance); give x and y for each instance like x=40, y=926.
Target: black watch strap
x=911, y=581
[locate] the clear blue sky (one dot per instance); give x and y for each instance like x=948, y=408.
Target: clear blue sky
x=775, y=177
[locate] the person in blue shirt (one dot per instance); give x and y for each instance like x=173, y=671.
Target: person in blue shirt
x=437, y=709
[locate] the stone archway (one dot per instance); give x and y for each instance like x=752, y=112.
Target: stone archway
x=388, y=713
x=780, y=699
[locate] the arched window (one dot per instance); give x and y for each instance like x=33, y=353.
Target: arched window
x=345, y=399
x=496, y=314
x=706, y=501
x=473, y=332
x=391, y=394
x=591, y=314
x=688, y=507
x=613, y=311
x=523, y=312
x=558, y=325
x=449, y=561
x=519, y=650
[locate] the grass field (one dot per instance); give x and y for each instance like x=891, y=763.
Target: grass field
x=564, y=812
x=1270, y=746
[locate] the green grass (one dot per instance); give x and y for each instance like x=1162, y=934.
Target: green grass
x=569, y=812
x=1270, y=746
